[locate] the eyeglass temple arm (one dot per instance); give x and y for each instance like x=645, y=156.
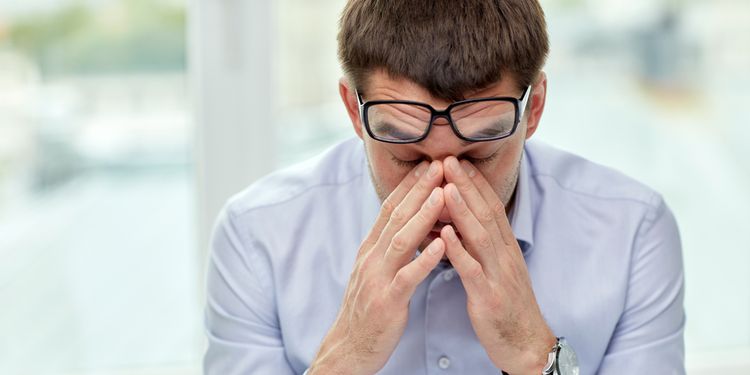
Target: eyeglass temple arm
x=524, y=101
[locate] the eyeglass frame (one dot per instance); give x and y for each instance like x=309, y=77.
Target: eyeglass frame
x=518, y=103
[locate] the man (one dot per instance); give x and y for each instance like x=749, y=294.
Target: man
x=440, y=240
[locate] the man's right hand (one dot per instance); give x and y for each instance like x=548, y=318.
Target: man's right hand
x=374, y=310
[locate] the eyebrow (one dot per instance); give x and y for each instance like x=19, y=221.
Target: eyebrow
x=414, y=111
x=388, y=127
x=487, y=132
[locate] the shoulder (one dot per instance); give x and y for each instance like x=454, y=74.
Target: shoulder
x=574, y=176
x=339, y=166
x=283, y=222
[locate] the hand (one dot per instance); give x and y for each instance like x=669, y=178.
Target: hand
x=374, y=310
x=500, y=301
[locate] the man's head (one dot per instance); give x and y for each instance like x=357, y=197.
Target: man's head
x=437, y=52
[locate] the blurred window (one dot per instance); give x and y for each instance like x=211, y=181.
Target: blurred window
x=98, y=269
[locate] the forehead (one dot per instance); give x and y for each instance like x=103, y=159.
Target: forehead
x=383, y=86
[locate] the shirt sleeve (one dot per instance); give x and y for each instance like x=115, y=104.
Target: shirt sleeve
x=649, y=338
x=240, y=315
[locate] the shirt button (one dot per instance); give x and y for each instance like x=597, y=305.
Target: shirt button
x=448, y=275
x=444, y=362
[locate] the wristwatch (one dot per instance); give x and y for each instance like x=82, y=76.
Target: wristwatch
x=561, y=360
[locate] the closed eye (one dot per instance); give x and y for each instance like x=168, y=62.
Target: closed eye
x=405, y=163
x=472, y=160
x=480, y=161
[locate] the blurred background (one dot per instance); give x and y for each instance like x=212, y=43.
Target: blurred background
x=126, y=124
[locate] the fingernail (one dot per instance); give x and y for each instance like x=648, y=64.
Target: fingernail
x=456, y=196
x=434, y=197
x=433, y=169
x=419, y=170
x=434, y=248
x=468, y=169
x=451, y=233
x=454, y=165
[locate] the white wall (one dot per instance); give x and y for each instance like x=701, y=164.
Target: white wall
x=231, y=44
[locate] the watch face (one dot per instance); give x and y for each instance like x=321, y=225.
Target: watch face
x=567, y=362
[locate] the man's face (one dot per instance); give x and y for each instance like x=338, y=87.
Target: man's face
x=498, y=161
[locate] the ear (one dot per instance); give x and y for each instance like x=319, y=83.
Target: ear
x=535, y=110
x=349, y=97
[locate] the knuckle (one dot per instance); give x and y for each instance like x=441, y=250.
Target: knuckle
x=388, y=206
x=486, y=215
x=482, y=240
x=367, y=261
x=499, y=209
x=421, y=217
x=475, y=271
x=398, y=217
x=464, y=187
x=399, y=243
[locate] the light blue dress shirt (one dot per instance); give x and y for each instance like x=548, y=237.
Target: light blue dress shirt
x=603, y=253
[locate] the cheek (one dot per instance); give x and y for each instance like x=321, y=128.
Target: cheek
x=389, y=175
x=386, y=173
x=502, y=172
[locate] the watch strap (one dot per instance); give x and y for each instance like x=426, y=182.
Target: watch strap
x=551, y=367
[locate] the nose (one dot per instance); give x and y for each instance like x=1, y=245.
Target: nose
x=441, y=142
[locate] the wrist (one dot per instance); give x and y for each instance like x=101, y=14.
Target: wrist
x=333, y=360
x=535, y=358
x=326, y=366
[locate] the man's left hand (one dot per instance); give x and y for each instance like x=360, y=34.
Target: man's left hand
x=500, y=300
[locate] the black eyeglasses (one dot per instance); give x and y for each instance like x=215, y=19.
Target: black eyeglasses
x=473, y=120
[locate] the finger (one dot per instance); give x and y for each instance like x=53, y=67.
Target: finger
x=471, y=272
x=392, y=201
x=407, y=279
x=476, y=238
x=455, y=173
x=479, y=203
x=410, y=204
x=493, y=201
x=405, y=241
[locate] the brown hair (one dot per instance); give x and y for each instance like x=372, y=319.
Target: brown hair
x=449, y=47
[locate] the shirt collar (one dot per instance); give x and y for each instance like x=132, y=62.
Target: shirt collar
x=370, y=201
x=520, y=216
